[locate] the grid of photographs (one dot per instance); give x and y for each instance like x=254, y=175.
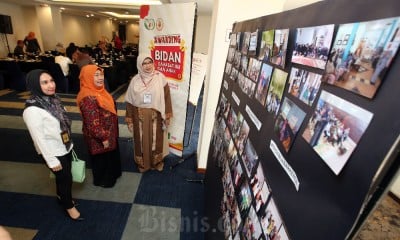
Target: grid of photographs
x=335, y=129
x=362, y=54
x=356, y=60
x=312, y=45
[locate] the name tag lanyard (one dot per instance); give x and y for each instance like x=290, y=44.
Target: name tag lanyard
x=146, y=95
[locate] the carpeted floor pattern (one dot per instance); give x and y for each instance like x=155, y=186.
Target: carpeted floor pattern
x=153, y=205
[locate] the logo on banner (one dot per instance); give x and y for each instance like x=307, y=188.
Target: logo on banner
x=168, y=52
x=159, y=24
x=149, y=23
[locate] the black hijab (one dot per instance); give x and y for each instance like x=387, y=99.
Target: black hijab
x=52, y=103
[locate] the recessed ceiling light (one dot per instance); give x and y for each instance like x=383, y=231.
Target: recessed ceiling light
x=122, y=15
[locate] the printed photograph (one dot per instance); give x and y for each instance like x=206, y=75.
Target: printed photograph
x=219, y=112
x=217, y=140
x=312, y=45
x=227, y=180
x=233, y=40
x=279, y=48
x=228, y=68
x=251, y=226
x=234, y=74
x=263, y=83
x=304, y=85
x=232, y=117
x=231, y=154
x=245, y=43
x=249, y=87
x=237, y=173
x=231, y=54
x=282, y=234
x=271, y=220
x=335, y=128
x=260, y=188
x=275, y=91
x=244, y=198
x=288, y=123
x=243, y=135
x=266, y=44
x=253, y=44
x=244, y=61
x=236, y=124
x=262, y=197
x=227, y=109
x=227, y=225
x=249, y=157
x=253, y=69
x=236, y=219
x=362, y=54
x=257, y=180
x=236, y=59
x=239, y=40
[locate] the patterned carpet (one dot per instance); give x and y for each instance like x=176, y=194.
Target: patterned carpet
x=383, y=223
x=153, y=205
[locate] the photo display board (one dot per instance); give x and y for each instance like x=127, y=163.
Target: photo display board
x=306, y=115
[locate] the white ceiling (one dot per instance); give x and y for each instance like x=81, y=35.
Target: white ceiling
x=204, y=7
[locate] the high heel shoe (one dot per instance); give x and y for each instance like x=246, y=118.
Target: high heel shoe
x=78, y=219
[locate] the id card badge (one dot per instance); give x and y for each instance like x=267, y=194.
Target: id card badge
x=65, y=137
x=147, y=98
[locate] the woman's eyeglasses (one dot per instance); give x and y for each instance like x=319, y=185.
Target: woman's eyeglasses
x=146, y=63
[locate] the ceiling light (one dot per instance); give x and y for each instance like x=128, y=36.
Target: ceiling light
x=115, y=2
x=117, y=15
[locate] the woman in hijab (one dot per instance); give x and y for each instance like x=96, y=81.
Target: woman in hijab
x=99, y=126
x=148, y=111
x=50, y=129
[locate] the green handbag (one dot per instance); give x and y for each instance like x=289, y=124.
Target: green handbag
x=78, y=169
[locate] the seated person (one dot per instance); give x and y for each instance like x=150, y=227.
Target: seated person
x=83, y=58
x=59, y=49
x=64, y=62
x=19, y=49
x=101, y=49
x=72, y=53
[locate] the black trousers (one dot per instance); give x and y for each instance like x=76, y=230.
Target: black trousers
x=106, y=168
x=64, y=181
